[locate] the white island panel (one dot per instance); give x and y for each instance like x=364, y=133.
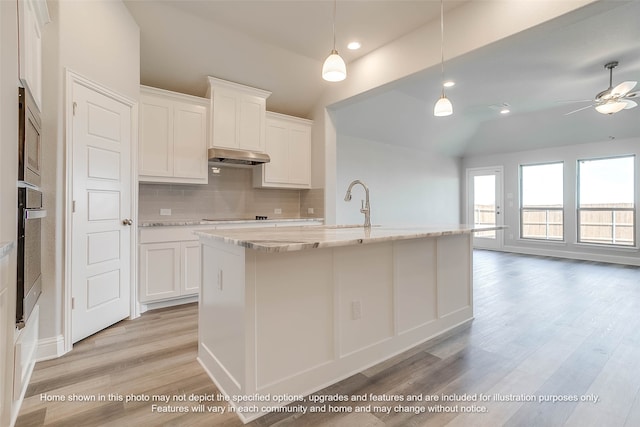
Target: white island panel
x=294, y=300
x=222, y=326
x=364, y=283
x=454, y=268
x=416, y=293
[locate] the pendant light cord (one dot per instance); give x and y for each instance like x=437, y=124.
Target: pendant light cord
x=442, y=42
x=334, y=23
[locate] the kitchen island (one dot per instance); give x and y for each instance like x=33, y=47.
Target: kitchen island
x=286, y=312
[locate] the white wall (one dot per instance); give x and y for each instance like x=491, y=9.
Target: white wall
x=407, y=55
x=569, y=155
x=406, y=186
x=101, y=41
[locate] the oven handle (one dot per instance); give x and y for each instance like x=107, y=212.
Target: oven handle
x=35, y=213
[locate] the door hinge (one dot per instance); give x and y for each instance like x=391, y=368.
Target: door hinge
x=75, y=106
x=73, y=206
x=73, y=303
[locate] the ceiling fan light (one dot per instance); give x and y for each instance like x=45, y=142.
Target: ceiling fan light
x=611, y=107
x=334, y=68
x=443, y=107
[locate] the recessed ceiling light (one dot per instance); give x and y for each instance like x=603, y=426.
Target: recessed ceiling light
x=354, y=45
x=505, y=110
x=449, y=83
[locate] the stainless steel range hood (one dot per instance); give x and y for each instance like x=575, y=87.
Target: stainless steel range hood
x=227, y=156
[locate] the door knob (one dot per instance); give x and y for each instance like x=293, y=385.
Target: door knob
x=127, y=221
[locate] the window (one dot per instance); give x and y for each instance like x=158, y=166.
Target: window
x=541, y=201
x=606, y=206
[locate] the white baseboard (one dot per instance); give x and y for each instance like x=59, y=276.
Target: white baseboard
x=167, y=303
x=50, y=348
x=612, y=259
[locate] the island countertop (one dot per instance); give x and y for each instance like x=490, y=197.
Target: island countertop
x=298, y=238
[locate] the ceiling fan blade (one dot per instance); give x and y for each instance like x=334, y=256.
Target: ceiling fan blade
x=630, y=103
x=623, y=88
x=579, y=109
x=574, y=101
x=631, y=95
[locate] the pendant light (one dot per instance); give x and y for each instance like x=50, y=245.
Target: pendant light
x=334, y=68
x=443, y=107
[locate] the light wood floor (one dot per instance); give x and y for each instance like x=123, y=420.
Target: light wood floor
x=543, y=327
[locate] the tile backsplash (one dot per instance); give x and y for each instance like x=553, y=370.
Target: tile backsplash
x=228, y=195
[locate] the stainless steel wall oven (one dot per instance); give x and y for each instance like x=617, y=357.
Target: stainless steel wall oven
x=30, y=211
x=30, y=214
x=29, y=144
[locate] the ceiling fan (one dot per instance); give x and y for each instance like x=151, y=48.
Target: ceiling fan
x=612, y=99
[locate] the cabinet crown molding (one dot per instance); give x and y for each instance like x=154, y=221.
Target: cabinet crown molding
x=215, y=82
x=294, y=119
x=176, y=95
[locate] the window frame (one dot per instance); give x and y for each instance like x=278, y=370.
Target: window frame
x=546, y=209
x=602, y=209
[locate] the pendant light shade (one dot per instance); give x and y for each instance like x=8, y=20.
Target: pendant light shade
x=443, y=107
x=334, y=68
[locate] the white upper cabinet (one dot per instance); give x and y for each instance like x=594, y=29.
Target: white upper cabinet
x=288, y=144
x=238, y=115
x=32, y=17
x=173, y=137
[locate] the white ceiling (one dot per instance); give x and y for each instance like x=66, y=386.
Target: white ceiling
x=280, y=46
x=273, y=45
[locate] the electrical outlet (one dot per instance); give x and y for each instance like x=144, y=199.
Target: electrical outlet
x=165, y=212
x=277, y=211
x=309, y=210
x=356, y=310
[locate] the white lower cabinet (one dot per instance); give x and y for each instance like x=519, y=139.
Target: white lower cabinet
x=159, y=271
x=190, y=267
x=169, y=270
x=169, y=262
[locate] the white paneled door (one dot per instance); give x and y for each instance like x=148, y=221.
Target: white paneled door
x=102, y=212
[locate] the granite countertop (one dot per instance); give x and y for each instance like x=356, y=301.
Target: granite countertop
x=186, y=222
x=286, y=239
